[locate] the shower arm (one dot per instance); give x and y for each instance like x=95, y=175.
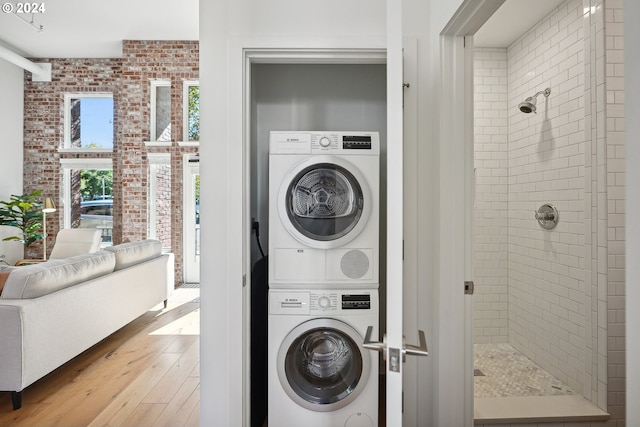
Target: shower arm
x=545, y=92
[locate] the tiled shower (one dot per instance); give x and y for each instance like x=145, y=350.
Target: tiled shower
x=550, y=294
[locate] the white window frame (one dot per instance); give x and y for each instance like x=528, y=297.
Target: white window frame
x=67, y=122
x=185, y=113
x=154, y=85
x=67, y=166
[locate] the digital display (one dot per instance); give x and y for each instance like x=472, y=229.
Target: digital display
x=358, y=142
x=356, y=302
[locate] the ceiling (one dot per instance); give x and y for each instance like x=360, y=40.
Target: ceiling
x=95, y=28
x=512, y=20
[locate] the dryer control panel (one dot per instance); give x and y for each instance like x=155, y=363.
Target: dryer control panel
x=324, y=142
x=321, y=301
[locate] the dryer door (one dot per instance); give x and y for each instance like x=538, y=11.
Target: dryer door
x=322, y=365
x=324, y=202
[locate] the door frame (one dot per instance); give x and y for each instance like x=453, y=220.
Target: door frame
x=455, y=332
x=278, y=51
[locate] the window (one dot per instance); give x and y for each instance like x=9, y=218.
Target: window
x=88, y=195
x=88, y=121
x=191, y=103
x=160, y=111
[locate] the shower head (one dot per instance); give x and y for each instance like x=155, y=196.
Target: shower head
x=529, y=104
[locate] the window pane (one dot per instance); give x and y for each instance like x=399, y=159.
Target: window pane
x=91, y=122
x=163, y=113
x=92, y=200
x=194, y=113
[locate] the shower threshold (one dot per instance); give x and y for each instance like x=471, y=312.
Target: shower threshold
x=511, y=389
x=529, y=409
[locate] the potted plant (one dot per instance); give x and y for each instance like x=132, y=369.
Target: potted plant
x=25, y=213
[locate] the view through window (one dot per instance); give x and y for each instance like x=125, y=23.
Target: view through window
x=92, y=200
x=89, y=121
x=192, y=111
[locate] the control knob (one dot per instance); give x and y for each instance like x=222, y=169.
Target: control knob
x=324, y=302
x=325, y=142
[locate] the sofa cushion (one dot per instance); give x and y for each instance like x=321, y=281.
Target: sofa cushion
x=5, y=270
x=36, y=280
x=132, y=253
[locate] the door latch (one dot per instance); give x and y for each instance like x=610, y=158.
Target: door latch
x=468, y=287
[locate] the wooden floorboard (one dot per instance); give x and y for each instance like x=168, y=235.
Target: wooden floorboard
x=145, y=374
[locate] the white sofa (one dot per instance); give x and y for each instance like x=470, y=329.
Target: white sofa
x=50, y=312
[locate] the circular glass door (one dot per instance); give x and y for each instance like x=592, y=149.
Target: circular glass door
x=324, y=204
x=322, y=365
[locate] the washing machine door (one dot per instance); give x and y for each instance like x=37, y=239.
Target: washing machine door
x=324, y=202
x=322, y=365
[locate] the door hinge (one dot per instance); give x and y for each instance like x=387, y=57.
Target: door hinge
x=468, y=287
x=404, y=86
x=244, y=280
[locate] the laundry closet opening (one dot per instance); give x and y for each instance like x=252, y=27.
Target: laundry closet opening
x=326, y=97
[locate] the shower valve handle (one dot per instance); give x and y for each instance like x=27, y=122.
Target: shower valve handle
x=547, y=216
x=544, y=216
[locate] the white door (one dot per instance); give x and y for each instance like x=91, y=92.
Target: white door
x=191, y=219
x=395, y=214
x=393, y=345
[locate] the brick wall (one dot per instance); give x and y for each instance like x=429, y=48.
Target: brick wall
x=128, y=79
x=163, y=205
x=44, y=126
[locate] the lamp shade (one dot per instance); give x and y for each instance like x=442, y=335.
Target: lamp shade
x=49, y=206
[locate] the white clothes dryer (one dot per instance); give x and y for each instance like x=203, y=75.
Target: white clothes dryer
x=319, y=373
x=324, y=209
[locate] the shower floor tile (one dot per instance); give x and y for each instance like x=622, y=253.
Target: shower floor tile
x=501, y=371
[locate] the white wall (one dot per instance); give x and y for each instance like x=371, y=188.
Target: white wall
x=632, y=110
x=225, y=28
x=11, y=119
x=490, y=313
x=546, y=165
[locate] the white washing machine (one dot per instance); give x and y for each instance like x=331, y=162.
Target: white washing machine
x=319, y=373
x=324, y=209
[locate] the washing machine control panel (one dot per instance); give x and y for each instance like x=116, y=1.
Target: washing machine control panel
x=324, y=301
x=329, y=141
x=340, y=142
x=328, y=301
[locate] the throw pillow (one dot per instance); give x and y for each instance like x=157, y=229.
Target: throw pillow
x=4, y=275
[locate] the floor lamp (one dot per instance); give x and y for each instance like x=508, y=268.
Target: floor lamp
x=48, y=207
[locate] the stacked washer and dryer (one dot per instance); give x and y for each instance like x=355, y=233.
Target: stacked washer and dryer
x=323, y=278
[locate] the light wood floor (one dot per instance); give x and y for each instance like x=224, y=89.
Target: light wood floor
x=145, y=374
